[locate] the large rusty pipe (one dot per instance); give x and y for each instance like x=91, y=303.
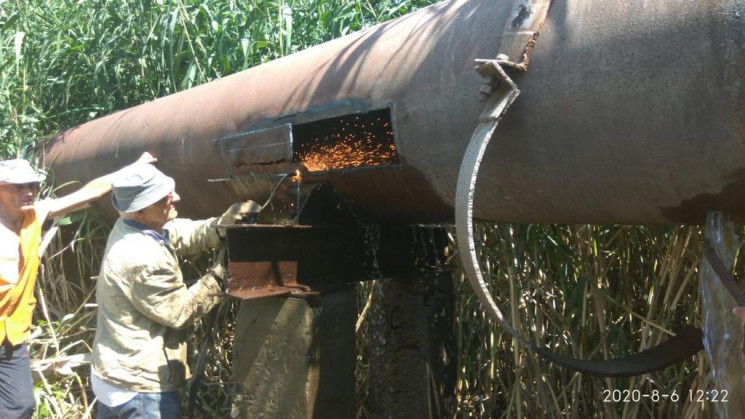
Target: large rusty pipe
x=631, y=112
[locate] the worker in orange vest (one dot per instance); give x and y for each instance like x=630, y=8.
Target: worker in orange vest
x=21, y=218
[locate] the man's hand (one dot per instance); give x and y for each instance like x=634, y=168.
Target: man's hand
x=146, y=158
x=239, y=212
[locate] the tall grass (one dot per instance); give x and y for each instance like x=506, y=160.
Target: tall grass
x=583, y=291
x=68, y=61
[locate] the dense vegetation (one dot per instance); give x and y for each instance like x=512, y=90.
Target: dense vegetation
x=599, y=290
x=69, y=61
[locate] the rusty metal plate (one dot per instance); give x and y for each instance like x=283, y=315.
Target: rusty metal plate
x=265, y=260
x=263, y=279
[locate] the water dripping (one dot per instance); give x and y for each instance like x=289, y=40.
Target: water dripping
x=430, y=241
x=371, y=240
x=723, y=332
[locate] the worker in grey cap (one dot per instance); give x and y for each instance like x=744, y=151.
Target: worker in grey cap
x=144, y=305
x=21, y=219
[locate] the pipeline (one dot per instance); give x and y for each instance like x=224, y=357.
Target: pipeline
x=632, y=113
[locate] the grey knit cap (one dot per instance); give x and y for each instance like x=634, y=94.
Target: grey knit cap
x=138, y=186
x=18, y=172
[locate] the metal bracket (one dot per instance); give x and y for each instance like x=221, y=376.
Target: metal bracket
x=495, y=108
x=503, y=90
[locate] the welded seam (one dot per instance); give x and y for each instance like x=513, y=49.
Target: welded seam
x=521, y=32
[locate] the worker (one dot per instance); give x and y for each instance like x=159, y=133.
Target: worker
x=21, y=219
x=144, y=306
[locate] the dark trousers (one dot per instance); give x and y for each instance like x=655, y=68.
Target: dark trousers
x=16, y=387
x=144, y=406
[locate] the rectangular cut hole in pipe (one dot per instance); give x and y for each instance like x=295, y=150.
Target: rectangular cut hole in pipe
x=346, y=142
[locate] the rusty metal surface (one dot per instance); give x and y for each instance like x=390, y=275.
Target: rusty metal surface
x=250, y=280
x=521, y=32
x=632, y=112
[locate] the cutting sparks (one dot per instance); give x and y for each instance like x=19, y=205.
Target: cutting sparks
x=352, y=142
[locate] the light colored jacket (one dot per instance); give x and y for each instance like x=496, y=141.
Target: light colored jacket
x=144, y=307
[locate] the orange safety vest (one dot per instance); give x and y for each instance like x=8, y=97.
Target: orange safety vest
x=17, y=304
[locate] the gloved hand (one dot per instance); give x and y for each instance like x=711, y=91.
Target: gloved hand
x=238, y=213
x=218, y=270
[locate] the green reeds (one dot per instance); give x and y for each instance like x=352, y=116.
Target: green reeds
x=583, y=291
x=65, y=62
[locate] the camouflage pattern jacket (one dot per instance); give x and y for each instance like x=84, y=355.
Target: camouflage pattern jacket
x=144, y=306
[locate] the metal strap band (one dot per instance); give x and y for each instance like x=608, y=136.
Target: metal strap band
x=727, y=279
x=723, y=273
